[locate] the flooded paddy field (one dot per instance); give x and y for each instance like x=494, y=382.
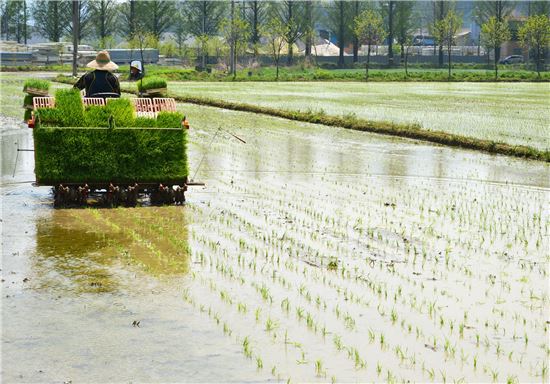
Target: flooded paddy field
x=312, y=254
x=515, y=114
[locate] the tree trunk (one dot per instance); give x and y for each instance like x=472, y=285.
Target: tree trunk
x=341, y=35
x=309, y=26
x=402, y=52
x=232, y=42
x=203, y=30
x=277, y=70
x=76, y=21
x=406, y=62
x=355, y=39
x=390, y=33
x=255, y=34
x=449, y=58
x=540, y=54
x=290, y=40
x=441, y=17
x=25, y=17
x=132, y=28
x=18, y=27
x=367, y=65
x=56, y=33
x=496, y=66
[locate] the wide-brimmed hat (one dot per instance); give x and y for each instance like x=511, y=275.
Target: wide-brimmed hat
x=103, y=61
x=136, y=64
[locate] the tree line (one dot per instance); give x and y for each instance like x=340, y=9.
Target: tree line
x=279, y=25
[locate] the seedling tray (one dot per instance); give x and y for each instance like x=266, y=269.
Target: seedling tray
x=36, y=91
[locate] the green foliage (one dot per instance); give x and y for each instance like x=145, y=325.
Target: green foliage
x=28, y=114
x=493, y=34
x=535, y=34
x=96, y=116
x=126, y=155
x=43, y=85
x=69, y=104
x=145, y=122
x=50, y=117
x=445, y=31
x=151, y=83
x=369, y=27
x=28, y=100
x=169, y=119
x=446, y=28
x=122, y=111
x=468, y=73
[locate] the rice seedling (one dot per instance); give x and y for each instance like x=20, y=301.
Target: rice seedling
x=246, y=348
x=319, y=369
x=152, y=82
x=31, y=85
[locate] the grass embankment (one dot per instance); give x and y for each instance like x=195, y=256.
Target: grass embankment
x=318, y=74
x=461, y=73
x=412, y=131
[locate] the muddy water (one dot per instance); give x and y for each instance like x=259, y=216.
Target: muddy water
x=274, y=212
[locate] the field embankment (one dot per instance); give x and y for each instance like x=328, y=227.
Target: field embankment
x=418, y=73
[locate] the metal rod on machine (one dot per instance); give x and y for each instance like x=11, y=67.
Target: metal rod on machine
x=208, y=148
x=204, y=154
x=235, y=136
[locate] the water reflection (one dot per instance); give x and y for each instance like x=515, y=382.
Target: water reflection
x=84, y=250
x=9, y=143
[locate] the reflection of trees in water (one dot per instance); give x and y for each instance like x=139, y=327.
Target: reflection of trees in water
x=79, y=250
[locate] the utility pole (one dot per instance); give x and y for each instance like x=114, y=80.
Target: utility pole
x=76, y=20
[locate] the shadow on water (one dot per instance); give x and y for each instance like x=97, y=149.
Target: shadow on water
x=87, y=250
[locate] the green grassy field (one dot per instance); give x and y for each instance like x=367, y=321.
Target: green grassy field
x=515, y=114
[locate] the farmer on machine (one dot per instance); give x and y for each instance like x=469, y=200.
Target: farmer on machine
x=136, y=71
x=100, y=82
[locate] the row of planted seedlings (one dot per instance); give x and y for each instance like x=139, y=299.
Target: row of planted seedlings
x=451, y=326
x=81, y=150
x=470, y=244
x=322, y=215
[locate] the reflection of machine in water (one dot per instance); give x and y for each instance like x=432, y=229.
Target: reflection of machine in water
x=81, y=250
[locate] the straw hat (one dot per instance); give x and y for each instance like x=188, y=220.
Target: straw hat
x=102, y=62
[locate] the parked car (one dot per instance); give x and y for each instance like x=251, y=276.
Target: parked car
x=514, y=59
